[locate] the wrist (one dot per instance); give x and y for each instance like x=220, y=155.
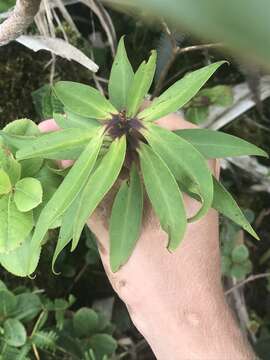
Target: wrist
x=197, y=331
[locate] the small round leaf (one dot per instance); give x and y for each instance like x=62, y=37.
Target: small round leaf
x=22, y=261
x=103, y=344
x=22, y=127
x=15, y=226
x=225, y=265
x=238, y=271
x=8, y=303
x=14, y=333
x=240, y=253
x=85, y=322
x=28, y=194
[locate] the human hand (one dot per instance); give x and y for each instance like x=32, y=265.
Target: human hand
x=174, y=299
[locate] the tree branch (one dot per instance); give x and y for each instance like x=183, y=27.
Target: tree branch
x=20, y=18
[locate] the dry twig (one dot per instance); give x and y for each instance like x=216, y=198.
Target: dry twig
x=176, y=51
x=20, y=18
x=247, y=280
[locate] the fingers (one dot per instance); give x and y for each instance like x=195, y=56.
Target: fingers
x=48, y=126
x=175, y=122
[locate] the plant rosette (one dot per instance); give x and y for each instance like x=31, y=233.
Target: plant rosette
x=108, y=136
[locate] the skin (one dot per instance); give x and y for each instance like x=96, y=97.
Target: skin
x=175, y=299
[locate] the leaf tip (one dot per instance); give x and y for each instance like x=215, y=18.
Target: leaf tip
x=114, y=266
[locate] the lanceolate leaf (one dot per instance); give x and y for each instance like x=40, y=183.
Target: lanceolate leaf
x=179, y=93
x=141, y=84
x=99, y=184
x=66, y=230
x=15, y=226
x=164, y=195
x=56, y=145
x=17, y=141
x=215, y=144
x=28, y=194
x=185, y=162
x=84, y=100
x=70, y=120
x=69, y=188
x=224, y=203
x=121, y=78
x=5, y=184
x=126, y=218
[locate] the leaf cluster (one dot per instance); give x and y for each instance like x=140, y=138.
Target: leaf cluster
x=30, y=323
x=25, y=188
x=235, y=259
x=116, y=143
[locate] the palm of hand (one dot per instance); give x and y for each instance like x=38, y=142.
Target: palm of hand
x=153, y=278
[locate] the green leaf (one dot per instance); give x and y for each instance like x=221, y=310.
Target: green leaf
x=85, y=322
x=8, y=303
x=218, y=21
x=186, y=164
x=238, y=271
x=28, y=307
x=45, y=340
x=30, y=167
x=99, y=184
x=50, y=183
x=216, y=144
x=28, y=194
x=179, y=93
x=10, y=165
x=141, y=84
x=126, y=219
x=5, y=184
x=22, y=127
x=6, y=4
x=57, y=145
x=66, y=230
x=197, y=115
x=14, y=333
x=70, y=120
x=103, y=344
x=15, y=226
x=219, y=95
x=224, y=203
x=42, y=101
x=226, y=264
x=17, y=141
x=23, y=260
x=164, y=195
x=69, y=188
x=84, y=100
x=240, y=253
x=121, y=77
